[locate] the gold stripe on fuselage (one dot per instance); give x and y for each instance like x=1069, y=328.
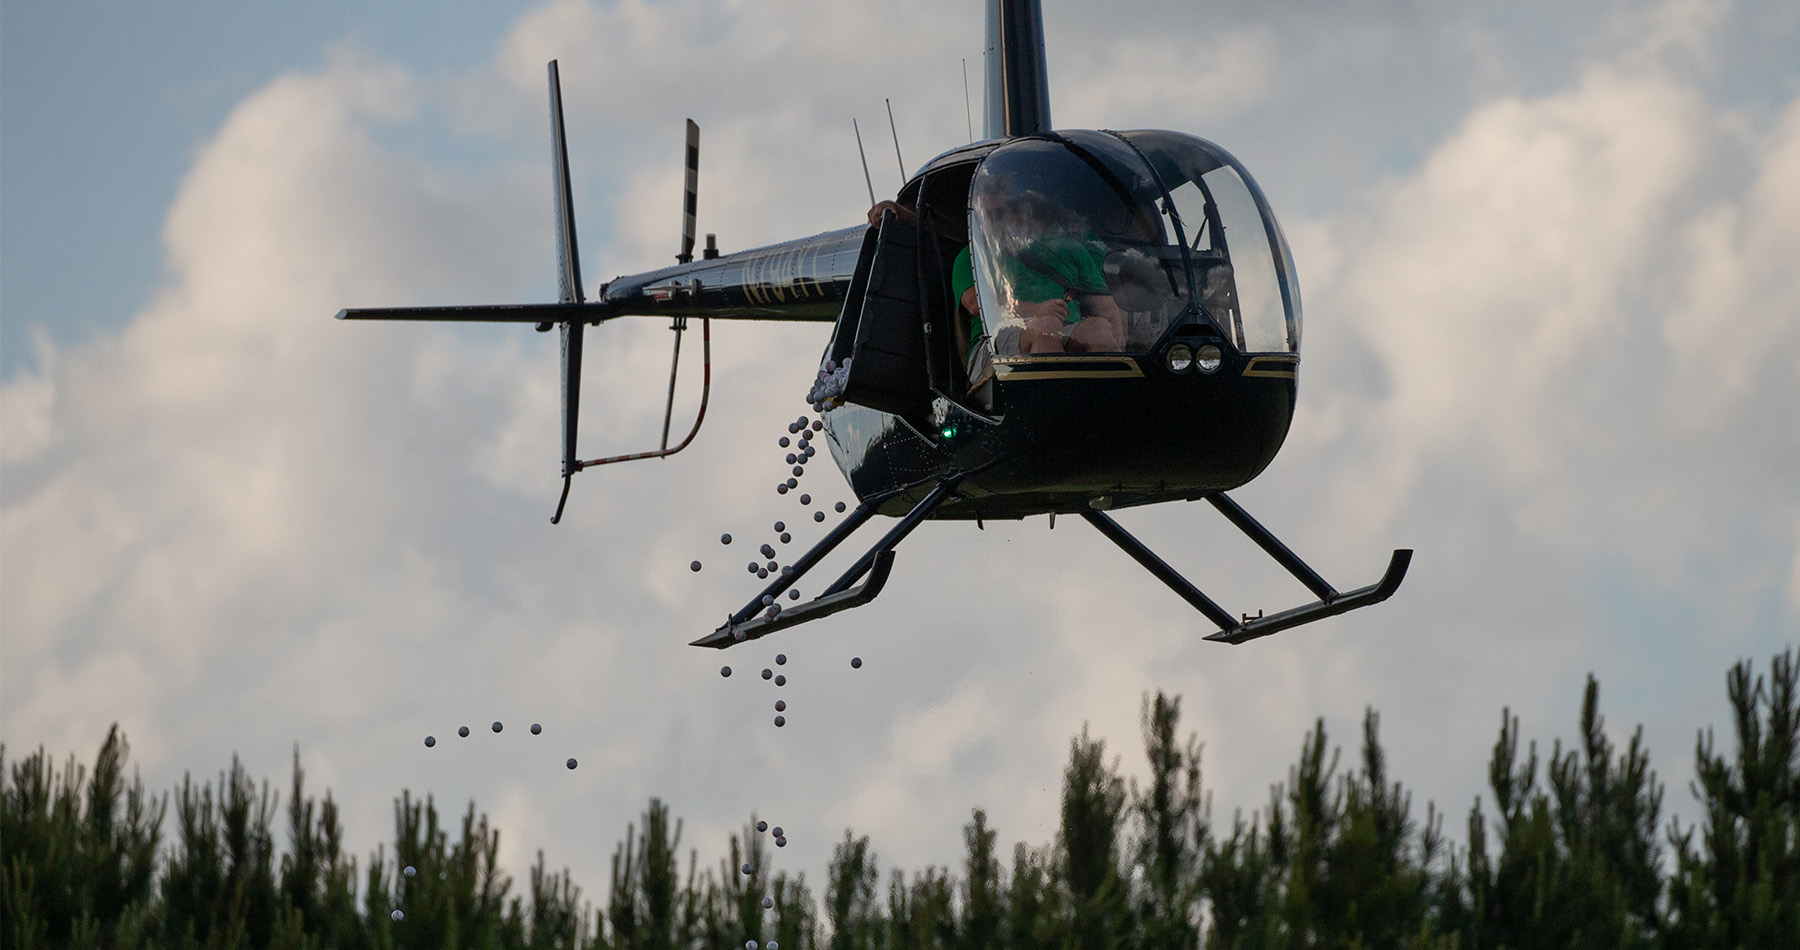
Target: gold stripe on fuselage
x=1285, y=366
x=1012, y=368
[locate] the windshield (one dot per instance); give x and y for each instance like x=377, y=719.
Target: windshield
x=1242, y=266
x=1083, y=243
x=1070, y=254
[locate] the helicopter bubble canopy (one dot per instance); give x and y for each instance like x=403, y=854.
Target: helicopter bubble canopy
x=1102, y=242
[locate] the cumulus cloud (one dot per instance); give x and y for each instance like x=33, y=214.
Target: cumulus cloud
x=1549, y=351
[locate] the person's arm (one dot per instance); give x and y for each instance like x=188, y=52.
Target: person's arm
x=1102, y=326
x=901, y=212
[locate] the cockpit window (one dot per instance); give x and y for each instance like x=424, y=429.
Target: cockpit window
x=1089, y=242
x=1070, y=252
x=1243, y=270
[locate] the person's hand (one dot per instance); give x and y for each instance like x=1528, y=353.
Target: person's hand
x=1054, y=309
x=902, y=212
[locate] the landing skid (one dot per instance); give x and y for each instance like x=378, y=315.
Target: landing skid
x=757, y=619
x=764, y=614
x=1245, y=627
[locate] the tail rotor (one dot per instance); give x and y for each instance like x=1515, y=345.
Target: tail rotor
x=568, y=277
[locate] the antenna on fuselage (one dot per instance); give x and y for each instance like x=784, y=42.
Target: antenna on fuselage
x=865, y=160
x=968, y=112
x=896, y=133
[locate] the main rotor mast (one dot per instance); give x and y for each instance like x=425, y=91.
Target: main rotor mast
x=1018, y=80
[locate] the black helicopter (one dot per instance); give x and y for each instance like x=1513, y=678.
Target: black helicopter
x=1130, y=336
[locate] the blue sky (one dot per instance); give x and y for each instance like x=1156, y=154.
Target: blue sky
x=1552, y=331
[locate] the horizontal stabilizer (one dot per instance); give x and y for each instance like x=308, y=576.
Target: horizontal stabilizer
x=492, y=313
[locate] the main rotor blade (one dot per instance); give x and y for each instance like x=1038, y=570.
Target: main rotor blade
x=539, y=313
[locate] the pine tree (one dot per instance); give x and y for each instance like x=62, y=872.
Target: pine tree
x=1579, y=862
x=74, y=873
x=457, y=894
x=1035, y=907
x=1172, y=814
x=1239, y=882
x=796, y=917
x=850, y=895
x=1741, y=887
x=318, y=880
x=1093, y=806
x=982, y=895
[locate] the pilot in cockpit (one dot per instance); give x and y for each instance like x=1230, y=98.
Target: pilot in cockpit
x=1050, y=274
x=1051, y=283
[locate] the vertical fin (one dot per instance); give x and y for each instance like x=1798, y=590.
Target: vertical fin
x=568, y=279
x=691, y=201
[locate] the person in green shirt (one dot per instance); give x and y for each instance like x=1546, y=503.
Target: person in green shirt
x=1058, y=289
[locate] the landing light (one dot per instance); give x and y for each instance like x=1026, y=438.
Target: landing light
x=1179, y=358
x=1210, y=358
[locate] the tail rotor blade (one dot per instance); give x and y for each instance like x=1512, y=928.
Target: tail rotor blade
x=568, y=278
x=568, y=255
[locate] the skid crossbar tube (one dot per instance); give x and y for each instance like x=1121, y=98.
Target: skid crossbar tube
x=797, y=570
x=1161, y=570
x=1273, y=546
x=1239, y=629
x=753, y=621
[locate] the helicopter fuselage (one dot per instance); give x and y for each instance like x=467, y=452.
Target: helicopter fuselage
x=1061, y=432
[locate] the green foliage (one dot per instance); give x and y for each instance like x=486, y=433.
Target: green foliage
x=1572, y=856
x=1174, y=819
x=1579, y=862
x=1093, y=805
x=1741, y=885
x=850, y=909
x=982, y=900
x=80, y=852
